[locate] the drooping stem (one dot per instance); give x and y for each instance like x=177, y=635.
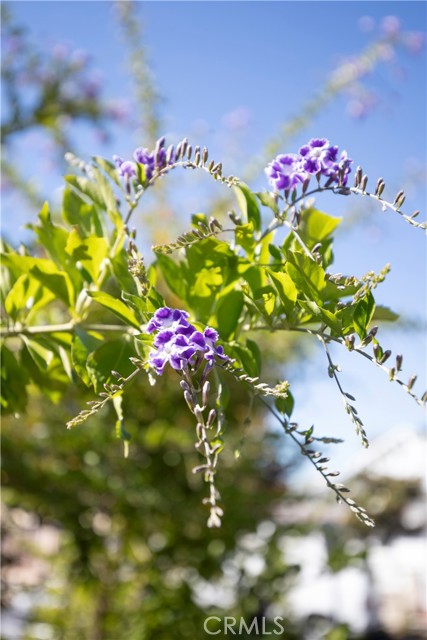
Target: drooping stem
x=339, y=490
x=350, y=409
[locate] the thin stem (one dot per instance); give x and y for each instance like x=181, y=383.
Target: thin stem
x=96, y=405
x=341, y=341
x=360, y=512
x=68, y=327
x=388, y=205
x=350, y=409
x=186, y=164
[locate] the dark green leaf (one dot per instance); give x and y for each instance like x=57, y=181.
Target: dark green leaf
x=363, y=313
x=111, y=356
x=83, y=344
x=285, y=405
x=172, y=274
x=228, y=313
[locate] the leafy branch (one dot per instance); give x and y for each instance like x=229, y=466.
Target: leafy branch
x=112, y=391
x=319, y=462
x=360, y=184
x=333, y=370
x=187, y=239
x=378, y=359
x=263, y=390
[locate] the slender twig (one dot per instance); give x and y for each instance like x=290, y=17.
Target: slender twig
x=186, y=164
x=67, y=327
x=111, y=391
x=389, y=205
x=339, y=491
x=357, y=348
x=350, y=409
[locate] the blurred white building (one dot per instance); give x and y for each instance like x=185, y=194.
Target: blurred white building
x=387, y=589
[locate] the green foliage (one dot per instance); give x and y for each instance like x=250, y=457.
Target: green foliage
x=75, y=307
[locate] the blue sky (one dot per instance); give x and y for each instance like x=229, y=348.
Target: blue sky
x=214, y=62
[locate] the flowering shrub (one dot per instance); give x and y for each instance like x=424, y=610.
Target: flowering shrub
x=232, y=282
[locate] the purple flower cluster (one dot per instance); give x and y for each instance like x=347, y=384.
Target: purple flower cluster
x=153, y=160
x=180, y=343
x=316, y=157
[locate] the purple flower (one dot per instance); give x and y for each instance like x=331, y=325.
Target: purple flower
x=179, y=343
x=285, y=172
x=155, y=160
x=167, y=318
x=342, y=167
x=317, y=157
x=125, y=168
x=145, y=157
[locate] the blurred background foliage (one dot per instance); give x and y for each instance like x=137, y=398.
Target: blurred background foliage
x=99, y=547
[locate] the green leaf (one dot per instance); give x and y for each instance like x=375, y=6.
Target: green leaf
x=345, y=316
x=246, y=358
x=265, y=300
x=87, y=188
x=41, y=356
x=76, y=212
x=228, y=313
x=116, y=306
x=268, y=200
x=244, y=236
x=90, y=252
x=109, y=168
x=248, y=205
x=45, y=271
x=323, y=315
x=207, y=282
x=52, y=237
x=26, y=296
x=172, y=274
x=307, y=275
x=285, y=405
x=14, y=379
x=316, y=226
x=120, y=424
x=105, y=190
x=83, y=344
x=384, y=314
x=363, y=312
x=286, y=289
x=141, y=172
x=255, y=350
x=110, y=356
x=56, y=281
x=275, y=252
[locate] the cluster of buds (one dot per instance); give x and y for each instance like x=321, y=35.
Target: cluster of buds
x=145, y=163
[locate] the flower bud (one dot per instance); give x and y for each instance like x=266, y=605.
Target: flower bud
x=411, y=381
x=211, y=417
x=205, y=392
